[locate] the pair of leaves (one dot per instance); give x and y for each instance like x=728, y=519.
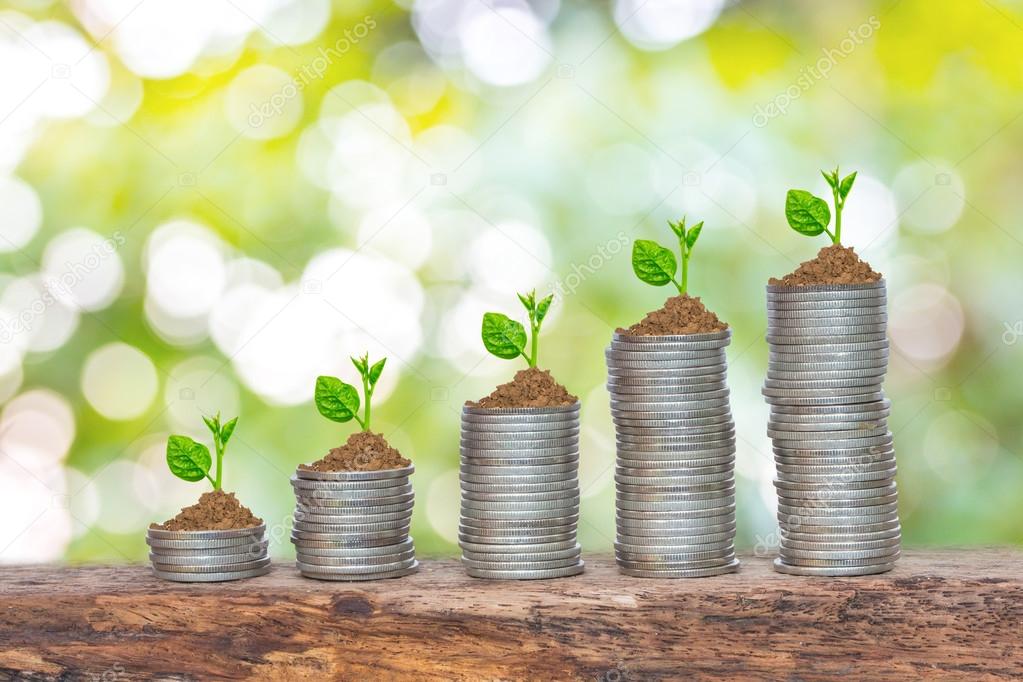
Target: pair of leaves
x=810, y=215
x=190, y=460
x=656, y=264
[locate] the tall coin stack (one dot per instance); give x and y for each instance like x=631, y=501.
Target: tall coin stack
x=520, y=492
x=675, y=468
x=206, y=556
x=835, y=458
x=353, y=525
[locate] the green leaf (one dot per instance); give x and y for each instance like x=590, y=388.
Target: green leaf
x=678, y=228
x=693, y=235
x=542, y=307
x=847, y=183
x=336, y=400
x=653, y=263
x=375, y=371
x=187, y=459
x=503, y=336
x=806, y=213
x=226, y=430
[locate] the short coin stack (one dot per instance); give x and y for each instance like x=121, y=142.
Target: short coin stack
x=675, y=468
x=520, y=492
x=835, y=458
x=206, y=556
x=353, y=525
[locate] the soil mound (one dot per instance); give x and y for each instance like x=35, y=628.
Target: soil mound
x=364, y=451
x=680, y=315
x=835, y=264
x=215, y=510
x=530, y=388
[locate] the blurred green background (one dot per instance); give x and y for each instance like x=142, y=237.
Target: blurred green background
x=206, y=203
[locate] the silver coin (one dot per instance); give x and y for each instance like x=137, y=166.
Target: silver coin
x=346, y=552
x=698, y=373
x=357, y=561
x=800, y=557
x=519, y=462
x=567, y=485
x=335, y=541
x=519, y=515
x=791, y=536
x=723, y=335
x=203, y=544
x=356, y=529
x=830, y=401
x=374, y=494
x=530, y=411
x=355, y=569
x=374, y=475
x=680, y=572
x=227, y=561
x=833, y=572
x=527, y=574
x=210, y=577
x=838, y=512
x=358, y=578
x=569, y=504
x=563, y=478
x=523, y=566
x=248, y=549
x=844, y=546
x=672, y=497
x=653, y=480
x=681, y=506
x=196, y=568
x=678, y=541
x=247, y=533
x=566, y=494
x=518, y=471
x=522, y=540
x=500, y=549
x=382, y=486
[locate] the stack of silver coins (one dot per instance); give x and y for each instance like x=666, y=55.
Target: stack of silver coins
x=520, y=492
x=207, y=556
x=353, y=525
x=675, y=467
x=834, y=455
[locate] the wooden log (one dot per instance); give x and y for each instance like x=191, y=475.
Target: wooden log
x=940, y=614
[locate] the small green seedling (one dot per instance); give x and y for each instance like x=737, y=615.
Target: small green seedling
x=656, y=264
x=810, y=215
x=339, y=402
x=191, y=461
x=506, y=338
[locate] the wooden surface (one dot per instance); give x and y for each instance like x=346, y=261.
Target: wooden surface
x=940, y=614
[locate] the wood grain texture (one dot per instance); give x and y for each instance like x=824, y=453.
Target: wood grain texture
x=940, y=614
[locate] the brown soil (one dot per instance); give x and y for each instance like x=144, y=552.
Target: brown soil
x=530, y=388
x=680, y=315
x=835, y=264
x=364, y=451
x=215, y=510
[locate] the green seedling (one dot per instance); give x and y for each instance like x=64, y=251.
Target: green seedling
x=657, y=265
x=506, y=338
x=810, y=215
x=191, y=461
x=339, y=402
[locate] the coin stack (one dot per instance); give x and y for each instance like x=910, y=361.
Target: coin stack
x=353, y=525
x=520, y=492
x=207, y=556
x=837, y=500
x=675, y=468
